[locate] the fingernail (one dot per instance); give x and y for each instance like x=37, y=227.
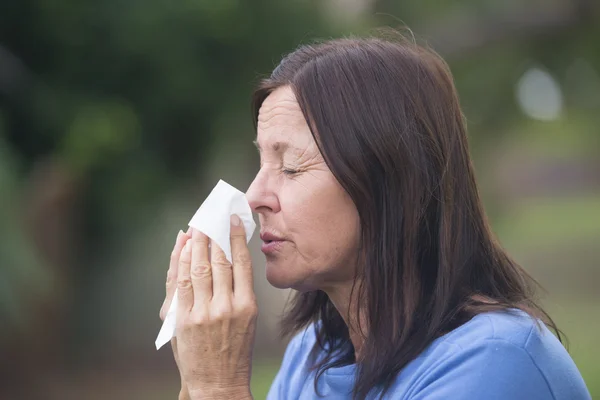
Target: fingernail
x=189, y=231
x=235, y=220
x=188, y=246
x=179, y=235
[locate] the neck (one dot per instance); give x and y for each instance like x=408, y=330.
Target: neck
x=345, y=302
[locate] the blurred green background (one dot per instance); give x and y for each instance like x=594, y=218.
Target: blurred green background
x=118, y=117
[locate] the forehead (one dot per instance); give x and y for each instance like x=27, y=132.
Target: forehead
x=280, y=119
x=280, y=107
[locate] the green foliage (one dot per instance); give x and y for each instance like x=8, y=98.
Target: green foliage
x=133, y=97
x=97, y=132
x=113, y=81
x=130, y=98
x=21, y=271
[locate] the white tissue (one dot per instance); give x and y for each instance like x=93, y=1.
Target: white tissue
x=213, y=219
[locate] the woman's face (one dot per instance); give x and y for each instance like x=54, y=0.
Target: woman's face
x=309, y=224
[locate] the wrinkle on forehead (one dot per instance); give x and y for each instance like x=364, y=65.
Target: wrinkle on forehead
x=281, y=121
x=280, y=106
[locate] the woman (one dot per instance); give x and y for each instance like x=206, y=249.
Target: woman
x=369, y=209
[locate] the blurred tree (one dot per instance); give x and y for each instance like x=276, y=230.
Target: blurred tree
x=485, y=43
x=106, y=107
x=490, y=45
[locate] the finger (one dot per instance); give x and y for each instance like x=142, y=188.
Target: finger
x=174, y=264
x=242, y=263
x=172, y=273
x=201, y=271
x=222, y=275
x=185, y=291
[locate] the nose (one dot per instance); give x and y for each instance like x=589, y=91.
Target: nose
x=261, y=196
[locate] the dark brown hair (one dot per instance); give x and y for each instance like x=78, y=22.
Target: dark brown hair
x=386, y=117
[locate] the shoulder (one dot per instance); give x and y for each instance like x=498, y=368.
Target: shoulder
x=499, y=355
x=514, y=327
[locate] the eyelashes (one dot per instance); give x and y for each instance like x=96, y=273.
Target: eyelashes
x=284, y=170
x=288, y=171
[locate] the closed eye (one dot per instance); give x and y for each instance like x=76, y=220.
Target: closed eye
x=290, y=171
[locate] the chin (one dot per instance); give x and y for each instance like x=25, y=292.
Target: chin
x=278, y=278
x=281, y=278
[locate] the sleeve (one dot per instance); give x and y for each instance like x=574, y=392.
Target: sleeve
x=283, y=384
x=495, y=370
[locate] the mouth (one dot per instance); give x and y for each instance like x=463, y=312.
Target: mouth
x=269, y=237
x=271, y=243
x=271, y=247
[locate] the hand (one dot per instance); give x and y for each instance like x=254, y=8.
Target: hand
x=216, y=317
x=182, y=238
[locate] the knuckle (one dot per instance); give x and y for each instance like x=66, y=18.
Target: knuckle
x=200, y=270
x=243, y=259
x=200, y=238
x=222, y=266
x=184, y=256
x=184, y=283
x=199, y=318
x=248, y=309
x=219, y=258
x=170, y=279
x=253, y=311
x=222, y=313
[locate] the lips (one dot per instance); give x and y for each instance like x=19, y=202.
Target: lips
x=269, y=237
x=271, y=243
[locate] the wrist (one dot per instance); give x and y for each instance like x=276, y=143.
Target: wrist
x=184, y=395
x=238, y=393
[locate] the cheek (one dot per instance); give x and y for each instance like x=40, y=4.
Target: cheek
x=324, y=227
x=309, y=213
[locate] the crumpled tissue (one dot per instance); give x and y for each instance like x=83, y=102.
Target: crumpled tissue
x=213, y=219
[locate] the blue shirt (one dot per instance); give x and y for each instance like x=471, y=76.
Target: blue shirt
x=496, y=355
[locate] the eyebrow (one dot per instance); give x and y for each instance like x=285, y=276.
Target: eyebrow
x=277, y=147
